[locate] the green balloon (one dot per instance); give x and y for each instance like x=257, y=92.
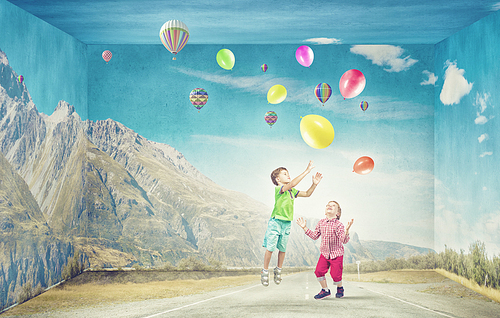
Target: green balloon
x=225, y=59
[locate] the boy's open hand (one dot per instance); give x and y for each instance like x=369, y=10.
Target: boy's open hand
x=301, y=222
x=310, y=166
x=317, y=178
x=350, y=223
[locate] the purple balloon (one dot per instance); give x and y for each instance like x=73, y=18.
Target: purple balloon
x=304, y=55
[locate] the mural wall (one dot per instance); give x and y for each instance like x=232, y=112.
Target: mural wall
x=112, y=159
x=467, y=138
x=41, y=155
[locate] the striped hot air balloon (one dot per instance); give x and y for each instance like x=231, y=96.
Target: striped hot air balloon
x=20, y=78
x=271, y=118
x=363, y=105
x=174, y=35
x=264, y=68
x=198, y=97
x=323, y=91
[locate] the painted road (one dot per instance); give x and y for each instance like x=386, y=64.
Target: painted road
x=294, y=297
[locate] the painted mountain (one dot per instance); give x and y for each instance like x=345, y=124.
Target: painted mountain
x=102, y=189
x=120, y=199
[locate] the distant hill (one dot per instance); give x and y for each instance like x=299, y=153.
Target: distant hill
x=382, y=249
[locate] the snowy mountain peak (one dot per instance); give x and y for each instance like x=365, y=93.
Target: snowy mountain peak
x=3, y=58
x=63, y=110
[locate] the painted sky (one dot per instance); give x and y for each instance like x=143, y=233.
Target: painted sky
x=467, y=138
x=263, y=21
x=230, y=142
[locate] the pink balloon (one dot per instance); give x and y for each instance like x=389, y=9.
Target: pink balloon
x=304, y=55
x=352, y=83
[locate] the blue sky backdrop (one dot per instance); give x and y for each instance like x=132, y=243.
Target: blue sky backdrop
x=431, y=125
x=230, y=142
x=467, y=137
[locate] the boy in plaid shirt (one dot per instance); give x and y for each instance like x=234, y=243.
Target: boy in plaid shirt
x=333, y=236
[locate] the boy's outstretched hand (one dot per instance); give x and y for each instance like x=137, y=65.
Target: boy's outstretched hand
x=349, y=224
x=301, y=222
x=317, y=178
x=310, y=166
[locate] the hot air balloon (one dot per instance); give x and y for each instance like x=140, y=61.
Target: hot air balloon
x=107, y=55
x=174, y=35
x=323, y=91
x=264, y=68
x=271, y=118
x=363, y=105
x=20, y=78
x=198, y=98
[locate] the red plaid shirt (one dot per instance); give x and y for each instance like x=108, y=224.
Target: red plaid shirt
x=332, y=237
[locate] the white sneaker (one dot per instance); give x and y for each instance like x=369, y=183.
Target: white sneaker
x=264, y=278
x=277, y=275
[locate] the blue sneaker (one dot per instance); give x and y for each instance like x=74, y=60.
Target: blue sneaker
x=340, y=292
x=322, y=294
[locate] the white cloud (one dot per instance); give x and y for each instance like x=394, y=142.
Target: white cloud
x=495, y=7
x=485, y=188
x=252, y=84
x=246, y=142
x=482, y=102
x=431, y=78
x=324, y=41
x=486, y=153
x=483, y=137
x=454, y=227
x=455, y=85
x=481, y=120
x=385, y=55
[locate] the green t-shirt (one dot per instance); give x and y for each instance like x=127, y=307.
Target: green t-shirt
x=283, y=205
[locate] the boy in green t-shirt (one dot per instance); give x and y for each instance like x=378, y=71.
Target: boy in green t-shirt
x=278, y=228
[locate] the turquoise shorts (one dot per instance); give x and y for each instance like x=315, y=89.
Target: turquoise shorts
x=277, y=234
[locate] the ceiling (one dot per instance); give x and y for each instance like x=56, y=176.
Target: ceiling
x=263, y=21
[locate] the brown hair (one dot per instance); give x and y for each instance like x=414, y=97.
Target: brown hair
x=275, y=174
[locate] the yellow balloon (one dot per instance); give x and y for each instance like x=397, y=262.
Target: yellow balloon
x=276, y=94
x=316, y=131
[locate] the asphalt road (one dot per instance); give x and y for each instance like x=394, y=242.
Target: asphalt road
x=294, y=297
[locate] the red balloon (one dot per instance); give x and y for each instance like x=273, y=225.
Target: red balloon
x=352, y=83
x=107, y=55
x=363, y=165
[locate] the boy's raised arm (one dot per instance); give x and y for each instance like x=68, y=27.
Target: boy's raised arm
x=299, y=178
x=315, y=181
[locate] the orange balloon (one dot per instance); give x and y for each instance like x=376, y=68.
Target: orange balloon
x=364, y=165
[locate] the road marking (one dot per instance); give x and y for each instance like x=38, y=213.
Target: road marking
x=201, y=301
x=307, y=296
x=406, y=302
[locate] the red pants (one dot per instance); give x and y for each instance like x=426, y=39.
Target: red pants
x=336, y=264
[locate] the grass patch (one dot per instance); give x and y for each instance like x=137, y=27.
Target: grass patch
x=491, y=293
x=77, y=294
x=398, y=277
